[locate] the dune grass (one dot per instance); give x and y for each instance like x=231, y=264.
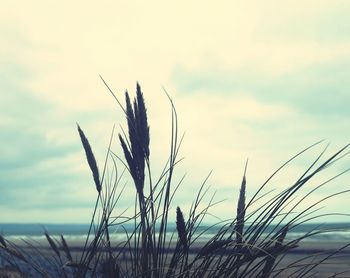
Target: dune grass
x=251, y=244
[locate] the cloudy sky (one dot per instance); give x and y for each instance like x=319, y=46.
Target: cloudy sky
x=250, y=79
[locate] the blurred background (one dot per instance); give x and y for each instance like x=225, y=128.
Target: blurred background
x=250, y=79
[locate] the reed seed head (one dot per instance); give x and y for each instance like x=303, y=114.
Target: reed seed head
x=3, y=241
x=270, y=260
x=91, y=159
x=241, y=212
x=137, y=152
x=16, y=254
x=142, y=120
x=181, y=228
x=214, y=246
x=66, y=248
x=52, y=244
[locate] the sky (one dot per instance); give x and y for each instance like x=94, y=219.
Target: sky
x=250, y=79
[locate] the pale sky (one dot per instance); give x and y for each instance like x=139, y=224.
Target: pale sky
x=250, y=79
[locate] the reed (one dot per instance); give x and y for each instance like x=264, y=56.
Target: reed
x=251, y=244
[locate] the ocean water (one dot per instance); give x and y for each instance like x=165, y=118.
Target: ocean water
x=336, y=232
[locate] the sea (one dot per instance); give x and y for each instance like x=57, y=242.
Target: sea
x=337, y=235
x=333, y=232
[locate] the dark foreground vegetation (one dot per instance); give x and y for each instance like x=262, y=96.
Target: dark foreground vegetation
x=253, y=244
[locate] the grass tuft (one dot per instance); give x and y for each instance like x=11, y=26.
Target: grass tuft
x=160, y=242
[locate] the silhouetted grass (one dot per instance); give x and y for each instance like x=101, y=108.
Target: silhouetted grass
x=246, y=246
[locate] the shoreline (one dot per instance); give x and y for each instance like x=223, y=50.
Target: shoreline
x=294, y=258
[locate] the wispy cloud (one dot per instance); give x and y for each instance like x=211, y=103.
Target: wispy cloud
x=249, y=79
x=318, y=89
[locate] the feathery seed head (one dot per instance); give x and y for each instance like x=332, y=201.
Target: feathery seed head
x=91, y=159
x=214, y=246
x=181, y=228
x=2, y=241
x=270, y=260
x=143, y=122
x=240, y=212
x=137, y=152
x=66, y=248
x=52, y=244
x=16, y=253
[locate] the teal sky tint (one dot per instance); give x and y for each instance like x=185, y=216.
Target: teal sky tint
x=320, y=89
x=261, y=80
x=25, y=180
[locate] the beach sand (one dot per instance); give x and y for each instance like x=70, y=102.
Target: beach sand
x=338, y=264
